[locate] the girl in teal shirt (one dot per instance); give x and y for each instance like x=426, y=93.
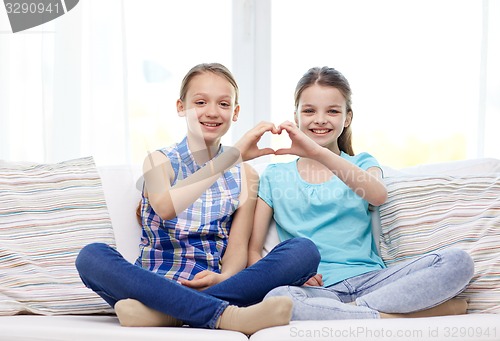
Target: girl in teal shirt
x=324, y=195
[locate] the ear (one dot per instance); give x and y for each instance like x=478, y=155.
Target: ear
x=296, y=117
x=348, y=119
x=236, y=113
x=180, y=108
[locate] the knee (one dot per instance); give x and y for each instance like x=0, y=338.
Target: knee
x=86, y=259
x=306, y=249
x=296, y=293
x=461, y=263
x=466, y=263
x=279, y=291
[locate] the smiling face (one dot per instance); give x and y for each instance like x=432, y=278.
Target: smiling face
x=209, y=106
x=322, y=115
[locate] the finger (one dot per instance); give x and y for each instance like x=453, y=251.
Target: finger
x=319, y=279
x=311, y=283
x=197, y=278
x=287, y=124
x=194, y=283
x=285, y=128
x=265, y=127
x=184, y=282
x=202, y=274
x=283, y=151
x=265, y=151
x=292, y=130
x=274, y=129
x=315, y=283
x=267, y=124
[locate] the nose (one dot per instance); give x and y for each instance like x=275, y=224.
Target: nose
x=320, y=119
x=212, y=111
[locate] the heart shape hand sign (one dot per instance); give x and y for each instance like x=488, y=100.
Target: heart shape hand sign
x=301, y=145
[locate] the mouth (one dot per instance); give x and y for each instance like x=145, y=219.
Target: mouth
x=320, y=131
x=210, y=124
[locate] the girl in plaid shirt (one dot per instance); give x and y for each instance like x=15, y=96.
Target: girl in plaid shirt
x=197, y=215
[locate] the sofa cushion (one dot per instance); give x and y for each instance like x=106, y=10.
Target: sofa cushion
x=478, y=327
x=431, y=212
x=48, y=212
x=101, y=328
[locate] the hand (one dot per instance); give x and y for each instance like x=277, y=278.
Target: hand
x=315, y=281
x=302, y=145
x=203, y=280
x=247, y=145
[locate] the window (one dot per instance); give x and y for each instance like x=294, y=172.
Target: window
x=103, y=79
x=164, y=39
x=414, y=69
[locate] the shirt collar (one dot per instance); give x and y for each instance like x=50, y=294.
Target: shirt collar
x=187, y=156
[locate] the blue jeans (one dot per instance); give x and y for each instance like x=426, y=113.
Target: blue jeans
x=106, y=272
x=411, y=286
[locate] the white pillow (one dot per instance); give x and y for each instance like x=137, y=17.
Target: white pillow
x=427, y=213
x=123, y=194
x=48, y=212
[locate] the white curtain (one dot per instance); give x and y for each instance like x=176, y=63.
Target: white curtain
x=63, y=87
x=102, y=80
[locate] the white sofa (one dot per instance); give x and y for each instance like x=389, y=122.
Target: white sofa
x=121, y=191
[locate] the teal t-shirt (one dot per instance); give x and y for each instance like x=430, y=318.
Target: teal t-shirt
x=330, y=214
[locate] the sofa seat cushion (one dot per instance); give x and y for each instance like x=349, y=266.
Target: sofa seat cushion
x=100, y=328
x=476, y=327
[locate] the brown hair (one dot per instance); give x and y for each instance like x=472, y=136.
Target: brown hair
x=215, y=68
x=327, y=76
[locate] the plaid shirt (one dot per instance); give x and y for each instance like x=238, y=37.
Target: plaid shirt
x=196, y=239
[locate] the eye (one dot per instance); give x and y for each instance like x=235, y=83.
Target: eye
x=333, y=112
x=308, y=111
x=199, y=102
x=225, y=104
